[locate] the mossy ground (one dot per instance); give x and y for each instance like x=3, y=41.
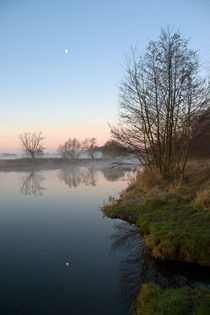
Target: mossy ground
x=155, y=301
x=174, y=219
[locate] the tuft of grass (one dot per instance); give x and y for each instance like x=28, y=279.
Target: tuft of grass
x=155, y=301
x=203, y=198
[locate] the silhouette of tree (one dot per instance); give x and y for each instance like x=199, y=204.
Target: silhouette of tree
x=89, y=145
x=161, y=95
x=31, y=143
x=70, y=149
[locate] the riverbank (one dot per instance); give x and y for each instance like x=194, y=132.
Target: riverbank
x=173, y=217
x=21, y=164
x=28, y=162
x=182, y=301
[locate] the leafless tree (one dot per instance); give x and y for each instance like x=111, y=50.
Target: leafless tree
x=161, y=94
x=89, y=145
x=32, y=143
x=70, y=149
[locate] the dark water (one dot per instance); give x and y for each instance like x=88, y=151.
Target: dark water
x=59, y=255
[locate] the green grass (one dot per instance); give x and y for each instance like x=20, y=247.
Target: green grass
x=176, y=232
x=155, y=301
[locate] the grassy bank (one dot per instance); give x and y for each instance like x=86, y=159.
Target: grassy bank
x=174, y=218
x=153, y=300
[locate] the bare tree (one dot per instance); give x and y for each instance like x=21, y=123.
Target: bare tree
x=161, y=94
x=32, y=143
x=89, y=145
x=70, y=149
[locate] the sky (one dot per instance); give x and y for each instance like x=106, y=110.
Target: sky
x=76, y=94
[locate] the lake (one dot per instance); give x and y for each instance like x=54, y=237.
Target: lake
x=60, y=255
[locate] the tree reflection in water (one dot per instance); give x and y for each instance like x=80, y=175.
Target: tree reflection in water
x=32, y=184
x=75, y=176
x=137, y=267
x=89, y=178
x=113, y=173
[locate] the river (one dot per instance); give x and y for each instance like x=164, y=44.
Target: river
x=60, y=255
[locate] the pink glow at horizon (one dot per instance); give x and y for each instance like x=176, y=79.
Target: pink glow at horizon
x=53, y=136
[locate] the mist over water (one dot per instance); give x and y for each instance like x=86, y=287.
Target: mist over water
x=60, y=255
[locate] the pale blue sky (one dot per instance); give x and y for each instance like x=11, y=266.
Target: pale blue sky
x=75, y=94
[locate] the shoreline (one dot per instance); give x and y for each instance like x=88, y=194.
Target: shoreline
x=163, y=250
x=174, y=220
x=21, y=164
x=46, y=163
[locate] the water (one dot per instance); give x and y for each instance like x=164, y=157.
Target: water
x=60, y=255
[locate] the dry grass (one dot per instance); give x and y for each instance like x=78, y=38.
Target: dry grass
x=147, y=180
x=203, y=198
x=147, y=185
x=197, y=171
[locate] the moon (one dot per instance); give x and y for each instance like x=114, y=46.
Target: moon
x=66, y=51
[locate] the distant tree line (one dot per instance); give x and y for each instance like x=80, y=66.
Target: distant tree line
x=32, y=145
x=73, y=148
x=199, y=144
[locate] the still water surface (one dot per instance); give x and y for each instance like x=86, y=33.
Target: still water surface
x=60, y=255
